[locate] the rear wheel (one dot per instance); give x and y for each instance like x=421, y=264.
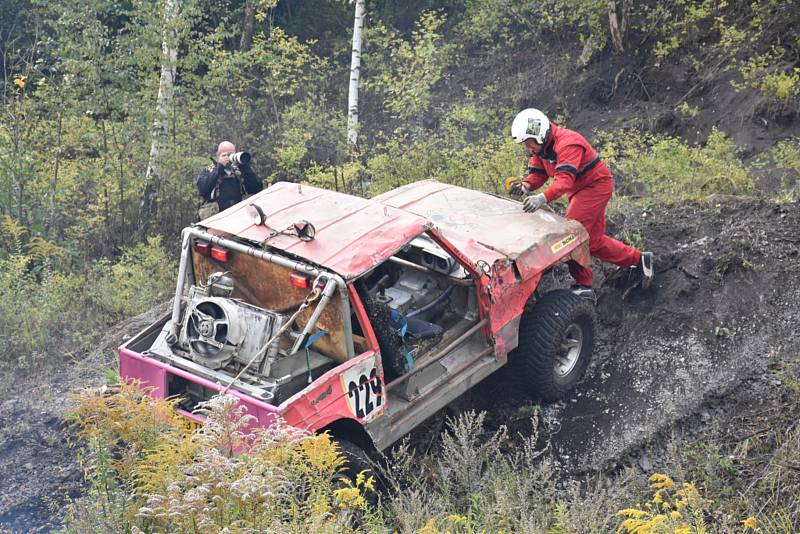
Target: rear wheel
x=356, y=461
x=556, y=335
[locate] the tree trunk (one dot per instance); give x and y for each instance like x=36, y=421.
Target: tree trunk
x=248, y=25
x=51, y=225
x=618, y=22
x=166, y=89
x=355, y=71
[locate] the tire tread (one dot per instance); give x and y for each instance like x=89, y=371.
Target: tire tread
x=541, y=328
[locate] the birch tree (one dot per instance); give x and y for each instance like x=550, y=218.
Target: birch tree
x=166, y=90
x=355, y=71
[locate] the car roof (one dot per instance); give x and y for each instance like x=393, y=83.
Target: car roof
x=472, y=219
x=353, y=234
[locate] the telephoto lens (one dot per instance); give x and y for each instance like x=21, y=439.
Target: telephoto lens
x=240, y=158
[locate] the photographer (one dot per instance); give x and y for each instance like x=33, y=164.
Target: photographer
x=227, y=181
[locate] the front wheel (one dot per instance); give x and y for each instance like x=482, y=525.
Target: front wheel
x=356, y=461
x=556, y=335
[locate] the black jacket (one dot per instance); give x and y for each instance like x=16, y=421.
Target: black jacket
x=228, y=184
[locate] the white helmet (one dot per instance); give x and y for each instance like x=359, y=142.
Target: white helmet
x=531, y=124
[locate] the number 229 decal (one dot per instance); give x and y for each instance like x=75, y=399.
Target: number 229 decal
x=363, y=388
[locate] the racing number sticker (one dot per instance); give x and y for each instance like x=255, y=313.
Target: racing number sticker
x=363, y=388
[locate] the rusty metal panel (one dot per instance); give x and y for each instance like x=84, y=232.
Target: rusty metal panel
x=352, y=234
x=267, y=285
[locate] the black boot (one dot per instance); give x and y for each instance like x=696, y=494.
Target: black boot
x=648, y=273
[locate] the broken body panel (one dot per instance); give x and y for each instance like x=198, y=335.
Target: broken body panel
x=458, y=262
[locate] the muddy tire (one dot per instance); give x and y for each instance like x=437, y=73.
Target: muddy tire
x=556, y=335
x=356, y=461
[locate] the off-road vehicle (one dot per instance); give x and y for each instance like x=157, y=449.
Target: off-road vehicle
x=364, y=317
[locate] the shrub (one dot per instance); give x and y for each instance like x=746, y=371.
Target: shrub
x=407, y=70
x=149, y=473
x=143, y=276
x=785, y=156
x=45, y=311
x=670, y=170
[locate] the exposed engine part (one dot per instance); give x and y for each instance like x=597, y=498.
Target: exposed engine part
x=412, y=290
x=217, y=330
x=220, y=284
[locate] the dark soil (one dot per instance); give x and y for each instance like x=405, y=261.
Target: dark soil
x=39, y=469
x=723, y=310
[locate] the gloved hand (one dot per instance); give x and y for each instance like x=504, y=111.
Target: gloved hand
x=218, y=171
x=533, y=203
x=517, y=187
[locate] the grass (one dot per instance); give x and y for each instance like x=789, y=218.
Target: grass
x=149, y=473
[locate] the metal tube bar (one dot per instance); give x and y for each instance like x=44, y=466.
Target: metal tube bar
x=423, y=269
x=283, y=262
x=327, y=293
x=176, y=304
x=439, y=355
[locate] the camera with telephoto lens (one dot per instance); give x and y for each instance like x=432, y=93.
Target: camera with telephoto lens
x=240, y=158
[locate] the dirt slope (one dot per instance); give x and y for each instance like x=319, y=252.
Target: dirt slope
x=724, y=307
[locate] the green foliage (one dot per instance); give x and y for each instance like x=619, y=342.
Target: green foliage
x=509, y=22
x=486, y=482
x=42, y=311
x=407, y=70
x=45, y=311
x=143, y=276
x=778, y=82
x=668, y=169
x=784, y=157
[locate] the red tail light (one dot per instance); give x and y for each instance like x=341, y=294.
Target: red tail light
x=298, y=280
x=219, y=254
x=202, y=247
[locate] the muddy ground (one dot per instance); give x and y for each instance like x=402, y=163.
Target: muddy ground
x=39, y=467
x=723, y=310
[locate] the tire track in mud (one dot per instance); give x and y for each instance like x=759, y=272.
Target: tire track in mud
x=725, y=306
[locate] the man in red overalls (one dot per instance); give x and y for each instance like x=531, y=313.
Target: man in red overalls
x=579, y=173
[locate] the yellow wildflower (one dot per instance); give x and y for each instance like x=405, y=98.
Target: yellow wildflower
x=349, y=497
x=429, y=528
x=661, y=481
x=750, y=522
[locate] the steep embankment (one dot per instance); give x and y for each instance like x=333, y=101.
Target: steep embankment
x=724, y=307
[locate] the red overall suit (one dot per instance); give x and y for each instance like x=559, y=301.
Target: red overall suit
x=579, y=173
